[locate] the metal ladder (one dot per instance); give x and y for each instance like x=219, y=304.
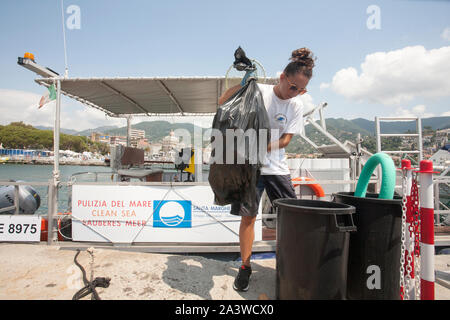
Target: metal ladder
x=418, y=134
x=378, y=133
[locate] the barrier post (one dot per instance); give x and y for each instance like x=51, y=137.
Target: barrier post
x=426, y=230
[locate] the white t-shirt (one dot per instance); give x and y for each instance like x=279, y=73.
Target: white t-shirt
x=286, y=116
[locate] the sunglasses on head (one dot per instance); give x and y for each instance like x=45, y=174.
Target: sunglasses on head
x=294, y=88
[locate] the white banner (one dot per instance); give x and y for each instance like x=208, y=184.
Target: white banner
x=128, y=214
x=20, y=228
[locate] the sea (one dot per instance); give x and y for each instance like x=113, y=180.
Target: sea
x=42, y=173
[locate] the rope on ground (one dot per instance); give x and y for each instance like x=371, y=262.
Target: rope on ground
x=90, y=286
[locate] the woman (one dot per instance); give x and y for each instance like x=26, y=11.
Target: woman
x=285, y=111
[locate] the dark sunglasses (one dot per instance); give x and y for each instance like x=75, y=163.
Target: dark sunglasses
x=293, y=87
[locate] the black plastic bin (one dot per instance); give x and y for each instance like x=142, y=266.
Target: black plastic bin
x=375, y=247
x=312, y=249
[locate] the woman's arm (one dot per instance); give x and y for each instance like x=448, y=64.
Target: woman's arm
x=229, y=93
x=250, y=74
x=281, y=143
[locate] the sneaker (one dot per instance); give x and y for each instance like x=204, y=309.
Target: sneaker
x=242, y=279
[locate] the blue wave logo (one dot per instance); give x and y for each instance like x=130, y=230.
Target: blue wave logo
x=280, y=118
x=172, y=221
x=172, y=214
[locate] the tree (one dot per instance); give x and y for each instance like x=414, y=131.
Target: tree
x=18, y=135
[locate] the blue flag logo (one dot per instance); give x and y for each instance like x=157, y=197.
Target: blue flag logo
x=172, y=214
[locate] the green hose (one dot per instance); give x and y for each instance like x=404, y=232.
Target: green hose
x=387, y=176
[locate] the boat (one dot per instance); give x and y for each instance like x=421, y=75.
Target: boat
x=28, y=198
x=4, y=160
x=139, y=209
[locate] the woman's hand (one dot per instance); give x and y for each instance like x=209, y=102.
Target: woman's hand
x=227, y=94
x=251, y=74
x=281, y=143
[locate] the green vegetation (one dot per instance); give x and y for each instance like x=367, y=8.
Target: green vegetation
x=342, y=130
x=18, y=135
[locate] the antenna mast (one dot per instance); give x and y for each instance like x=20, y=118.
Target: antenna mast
x=66, y=71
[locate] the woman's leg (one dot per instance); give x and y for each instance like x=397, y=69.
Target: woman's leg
x=246, y=237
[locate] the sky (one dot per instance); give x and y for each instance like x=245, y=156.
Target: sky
x=374, y=58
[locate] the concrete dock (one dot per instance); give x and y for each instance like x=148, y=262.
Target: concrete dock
x=43, y=272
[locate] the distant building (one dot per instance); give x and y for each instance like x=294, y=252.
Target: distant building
x=141, y=144
x=443, y=132
x=441, y=158
x=100, y=137
x=137, y=134
x=442, y=137
x=171, y=142
x=155, y=148
x=137, y=138
x=116, y=140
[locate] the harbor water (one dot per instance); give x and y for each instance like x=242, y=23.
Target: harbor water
x=42, y=173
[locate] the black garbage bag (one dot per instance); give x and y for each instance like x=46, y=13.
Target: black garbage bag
x=245, y=117
x=241, y=62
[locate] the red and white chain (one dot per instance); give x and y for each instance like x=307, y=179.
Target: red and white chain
x=415, y=229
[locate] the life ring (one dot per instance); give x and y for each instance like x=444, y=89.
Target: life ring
x=317, y=188
x=62, y=224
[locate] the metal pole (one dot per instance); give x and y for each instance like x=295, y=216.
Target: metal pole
x=198, y=156
x=16, y=199
x=419, y=143
x=358, y=151
x=56, y=131
x=378, y=137
x=50, y=212
x=322, y=119
x=53, y=188
x=436, y=201
x=328, y=135
x=66, y=71
x=377, y=133
x=353, y=160
x=129, y=131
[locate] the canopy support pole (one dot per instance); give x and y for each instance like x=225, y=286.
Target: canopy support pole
x=198, y=155
x=129, y=131
x=125, y=97
x=171, y=96
x=53, y=187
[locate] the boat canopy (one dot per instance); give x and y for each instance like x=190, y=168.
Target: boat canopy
x=121, y=97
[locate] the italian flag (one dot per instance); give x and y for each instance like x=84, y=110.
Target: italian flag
x=49, y=96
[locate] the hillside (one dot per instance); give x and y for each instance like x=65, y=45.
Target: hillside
x=342, y=129
x=18, y=135
x=436, y=123
x=348, y=129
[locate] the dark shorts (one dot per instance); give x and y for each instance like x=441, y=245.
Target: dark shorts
x=277, y=187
